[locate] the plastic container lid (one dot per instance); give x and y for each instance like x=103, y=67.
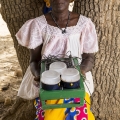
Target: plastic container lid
x=58, y=67
x=50, y=77
x=70, y=75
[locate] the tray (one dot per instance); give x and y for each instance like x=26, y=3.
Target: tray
x=62, y=94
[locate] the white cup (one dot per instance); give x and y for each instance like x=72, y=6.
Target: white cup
x=70, y=75
x=58, y=67
x=50, y=77
x=70, y=78
x=50, y=80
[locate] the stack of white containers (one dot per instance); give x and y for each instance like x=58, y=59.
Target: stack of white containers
x=59, y=73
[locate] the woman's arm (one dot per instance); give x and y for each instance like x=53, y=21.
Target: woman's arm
x=87, y=62
x=35, y=57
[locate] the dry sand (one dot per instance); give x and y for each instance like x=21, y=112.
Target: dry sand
x=8, y=66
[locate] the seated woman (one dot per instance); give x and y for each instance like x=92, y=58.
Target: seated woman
x=58, y=32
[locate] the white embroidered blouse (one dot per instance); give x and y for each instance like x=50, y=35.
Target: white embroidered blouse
x=81, y=38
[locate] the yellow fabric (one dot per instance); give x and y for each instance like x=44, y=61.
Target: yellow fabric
x=59, y=114
x=55, y=114
x=90, y=114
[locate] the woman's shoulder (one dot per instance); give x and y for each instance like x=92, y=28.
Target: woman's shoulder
x=37, y=21
x=76, y=15
x=40, y=20
x=86, y=22
x=30, y=34
x=82, y=20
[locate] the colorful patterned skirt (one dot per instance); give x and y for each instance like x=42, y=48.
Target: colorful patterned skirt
x=78, y=113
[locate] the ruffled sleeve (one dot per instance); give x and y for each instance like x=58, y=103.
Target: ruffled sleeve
x=89, y=38
x=29, y=35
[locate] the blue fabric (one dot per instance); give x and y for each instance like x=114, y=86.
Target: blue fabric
x=70, y=115
x=46, y=9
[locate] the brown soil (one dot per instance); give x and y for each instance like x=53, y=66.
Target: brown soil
x=9, y=67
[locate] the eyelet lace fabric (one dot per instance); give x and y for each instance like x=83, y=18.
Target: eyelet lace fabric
x=36, y=31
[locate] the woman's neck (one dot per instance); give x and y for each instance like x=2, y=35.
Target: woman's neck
x=60, y=16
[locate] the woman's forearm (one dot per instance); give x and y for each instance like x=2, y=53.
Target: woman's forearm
x=35, y=58
x=35, y=69
x=87, y=63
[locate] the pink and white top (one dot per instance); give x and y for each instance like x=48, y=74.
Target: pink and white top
x=79, y=39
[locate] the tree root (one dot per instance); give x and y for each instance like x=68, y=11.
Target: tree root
x=21, y=110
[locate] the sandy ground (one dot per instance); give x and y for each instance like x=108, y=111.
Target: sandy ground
x=9, y=82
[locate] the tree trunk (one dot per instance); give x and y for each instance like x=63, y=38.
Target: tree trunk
x=15, y=13
x=21, y=110
x=106, y=16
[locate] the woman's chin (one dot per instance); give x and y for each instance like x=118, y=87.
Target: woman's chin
x=59, y=8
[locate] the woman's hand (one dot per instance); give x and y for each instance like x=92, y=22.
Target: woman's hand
x=87, y=62
x=82, y=72
x=36, y=81
x=35, y=58
x=37, y=78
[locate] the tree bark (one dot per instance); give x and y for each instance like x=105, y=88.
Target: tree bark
x=15, y=13
x=106, y=16
x=21, y=110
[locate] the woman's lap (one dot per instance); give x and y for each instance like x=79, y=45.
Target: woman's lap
x=78, y=113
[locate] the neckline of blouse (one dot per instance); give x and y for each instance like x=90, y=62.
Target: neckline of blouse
x=63, y=28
